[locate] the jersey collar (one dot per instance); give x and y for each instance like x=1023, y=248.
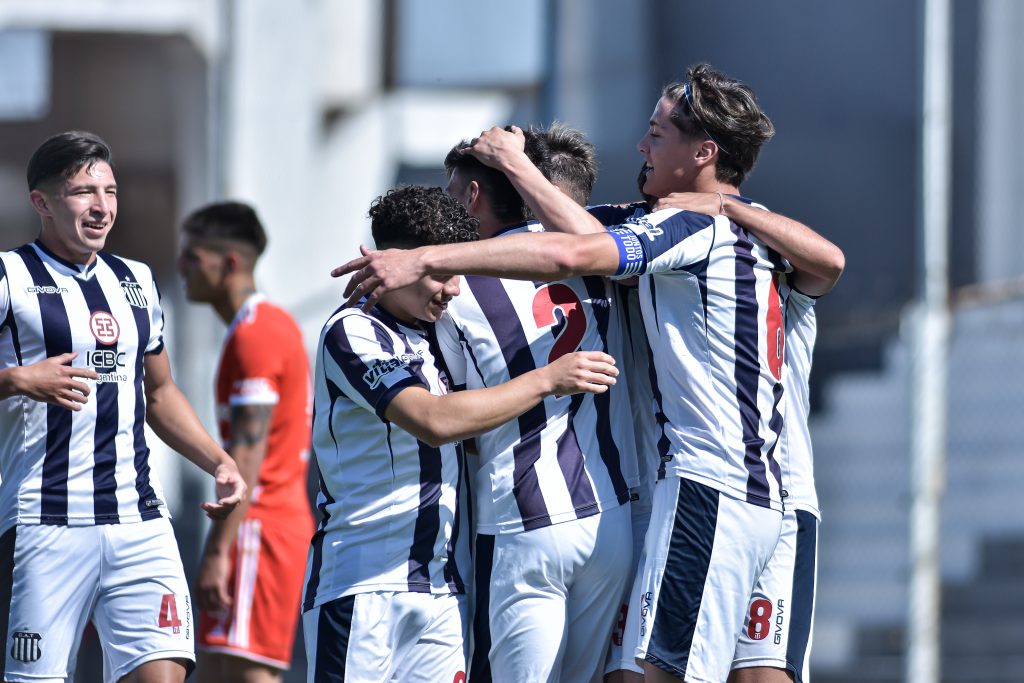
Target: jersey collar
x=77, y=269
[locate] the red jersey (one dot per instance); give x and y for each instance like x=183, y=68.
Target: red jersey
x=264, y=362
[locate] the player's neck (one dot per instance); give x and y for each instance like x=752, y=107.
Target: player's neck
x=489, y=226
x=391, y=307
x=55, y=246
x=236, y=293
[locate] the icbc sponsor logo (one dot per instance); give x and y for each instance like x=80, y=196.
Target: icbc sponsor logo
x=104, y=327
x=169, y=614
x=460, y=677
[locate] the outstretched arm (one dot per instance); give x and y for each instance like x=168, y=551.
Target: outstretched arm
x=437, y=420
x=504, y=150
x=522, y=256
x=817, y=262
x=169, y=414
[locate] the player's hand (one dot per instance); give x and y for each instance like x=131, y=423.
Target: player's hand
x=55, y=380
x=376, y=273
x=497, y=146
x=230, y=488
x=708, y=203
x=589, y=372
x=212, y=583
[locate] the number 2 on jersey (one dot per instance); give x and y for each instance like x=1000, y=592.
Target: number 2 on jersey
x=559, y=297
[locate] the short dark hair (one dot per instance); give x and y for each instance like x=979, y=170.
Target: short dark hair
x=570, y=161
x=505, y=201
x=727, y=112
x=416, y=216
x=64, y=155
x=227, y=221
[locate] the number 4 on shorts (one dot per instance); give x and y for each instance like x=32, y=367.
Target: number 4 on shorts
x=169, y=613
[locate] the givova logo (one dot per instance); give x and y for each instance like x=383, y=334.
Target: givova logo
x=25, y=646
x=46, y=289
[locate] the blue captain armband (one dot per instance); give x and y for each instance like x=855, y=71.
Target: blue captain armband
x=632, y=258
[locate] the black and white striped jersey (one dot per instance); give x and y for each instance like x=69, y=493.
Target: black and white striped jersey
x=709, y=293
x=796, y=454
x=391, y=514
x=568, y=457
x=91, y=466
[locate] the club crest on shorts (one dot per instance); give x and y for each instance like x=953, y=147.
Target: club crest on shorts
x=133, y=294
x=25, y=646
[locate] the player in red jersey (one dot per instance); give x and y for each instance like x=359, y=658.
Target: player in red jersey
x=250, y=578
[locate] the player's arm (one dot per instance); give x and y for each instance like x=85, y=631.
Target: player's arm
x=51, y=380
x=504, y=150
x=437, y=420
x=171, y=416
x=250, y=427
x=817, y=262
x=523, y=256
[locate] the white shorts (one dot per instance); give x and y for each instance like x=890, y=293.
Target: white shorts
x=621, y=658
x=702, y=556
x=777, y=630
x=547, y=599
x=387, y=636
x=126, y=578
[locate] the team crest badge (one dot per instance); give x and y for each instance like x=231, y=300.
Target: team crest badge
x=25, y=646
x=133, y=294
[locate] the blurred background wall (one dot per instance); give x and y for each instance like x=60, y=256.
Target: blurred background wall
x=309, y=109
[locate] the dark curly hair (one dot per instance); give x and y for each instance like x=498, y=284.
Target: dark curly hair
x=415, y=216
x=726, y=111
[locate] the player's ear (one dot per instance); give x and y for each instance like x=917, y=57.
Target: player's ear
x=473, y=196
x=232, y=262
x=706, y=152
x=39, y=203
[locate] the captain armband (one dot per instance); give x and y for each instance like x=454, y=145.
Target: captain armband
x=632, y=258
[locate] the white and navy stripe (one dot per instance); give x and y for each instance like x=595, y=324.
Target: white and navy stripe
x=391, y=514
x=796, y=453
x=711, y=308
x=89, y=466
x=567, y=457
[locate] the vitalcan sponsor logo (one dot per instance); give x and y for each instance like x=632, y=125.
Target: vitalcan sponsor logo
x=382, y=367
x=134, y=294
x=25, y=646
x=46, y=289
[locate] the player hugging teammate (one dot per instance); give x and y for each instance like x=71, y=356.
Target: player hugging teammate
x=719, y=282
